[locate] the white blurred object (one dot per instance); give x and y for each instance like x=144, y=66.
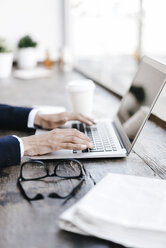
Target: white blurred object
x=6, y=61
x=46, y=109
x=27, y=58
x=65, y=60
x=81, y=95
x=33, y=73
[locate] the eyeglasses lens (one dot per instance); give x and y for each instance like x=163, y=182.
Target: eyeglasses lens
x=33, y=170
x=68, y=169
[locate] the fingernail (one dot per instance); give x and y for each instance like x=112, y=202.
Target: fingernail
x=83, y=147
x=90, y=145
x=89, y=123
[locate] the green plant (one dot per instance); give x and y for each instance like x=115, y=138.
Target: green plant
x=26, y=41
x=4, y=47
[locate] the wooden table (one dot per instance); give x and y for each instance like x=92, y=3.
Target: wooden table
x=35, y=225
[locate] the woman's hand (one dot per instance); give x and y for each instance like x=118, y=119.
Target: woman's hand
x=56, y=139
x=51, y=121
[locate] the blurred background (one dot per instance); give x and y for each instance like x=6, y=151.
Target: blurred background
x=102, y=39
x=98, y=28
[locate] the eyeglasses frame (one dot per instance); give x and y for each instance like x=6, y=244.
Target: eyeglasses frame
x=39, y=196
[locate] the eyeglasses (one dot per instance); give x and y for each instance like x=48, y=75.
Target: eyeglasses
x=35, y=170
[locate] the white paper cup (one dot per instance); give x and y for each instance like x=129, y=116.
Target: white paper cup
x=81, y=96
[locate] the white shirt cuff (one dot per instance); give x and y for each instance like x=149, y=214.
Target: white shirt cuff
x=21, y=145
x=31, y=118
x=30, y=124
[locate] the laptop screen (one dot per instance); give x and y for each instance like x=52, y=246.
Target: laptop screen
x=137, y=103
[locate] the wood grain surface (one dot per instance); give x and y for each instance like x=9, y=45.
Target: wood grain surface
x=35, y=225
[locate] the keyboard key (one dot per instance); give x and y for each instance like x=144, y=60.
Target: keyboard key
x=81, y=128
x=96, y=150
x=86, y=150
x=108, y=149
x=100, y=149
x=74, y=125
x=92, y=150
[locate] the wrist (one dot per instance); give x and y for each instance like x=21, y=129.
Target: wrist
x=27, y=146
x=37, y=120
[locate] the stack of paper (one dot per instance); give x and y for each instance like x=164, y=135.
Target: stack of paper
x=124, y=209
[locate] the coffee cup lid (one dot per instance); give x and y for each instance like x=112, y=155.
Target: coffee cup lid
x=80, y=85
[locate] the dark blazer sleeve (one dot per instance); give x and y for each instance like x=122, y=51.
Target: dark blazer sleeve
x=13, y=117
x=9, y=151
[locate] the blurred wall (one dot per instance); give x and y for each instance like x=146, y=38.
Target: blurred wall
x=39, y=18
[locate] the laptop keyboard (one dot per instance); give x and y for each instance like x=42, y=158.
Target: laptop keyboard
x=99, y=136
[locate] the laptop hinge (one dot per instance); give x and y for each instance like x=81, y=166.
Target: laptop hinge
x=118, y=136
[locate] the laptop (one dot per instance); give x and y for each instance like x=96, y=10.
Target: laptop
x=115, y=138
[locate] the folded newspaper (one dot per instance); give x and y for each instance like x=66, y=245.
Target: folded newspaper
x=128, y=210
